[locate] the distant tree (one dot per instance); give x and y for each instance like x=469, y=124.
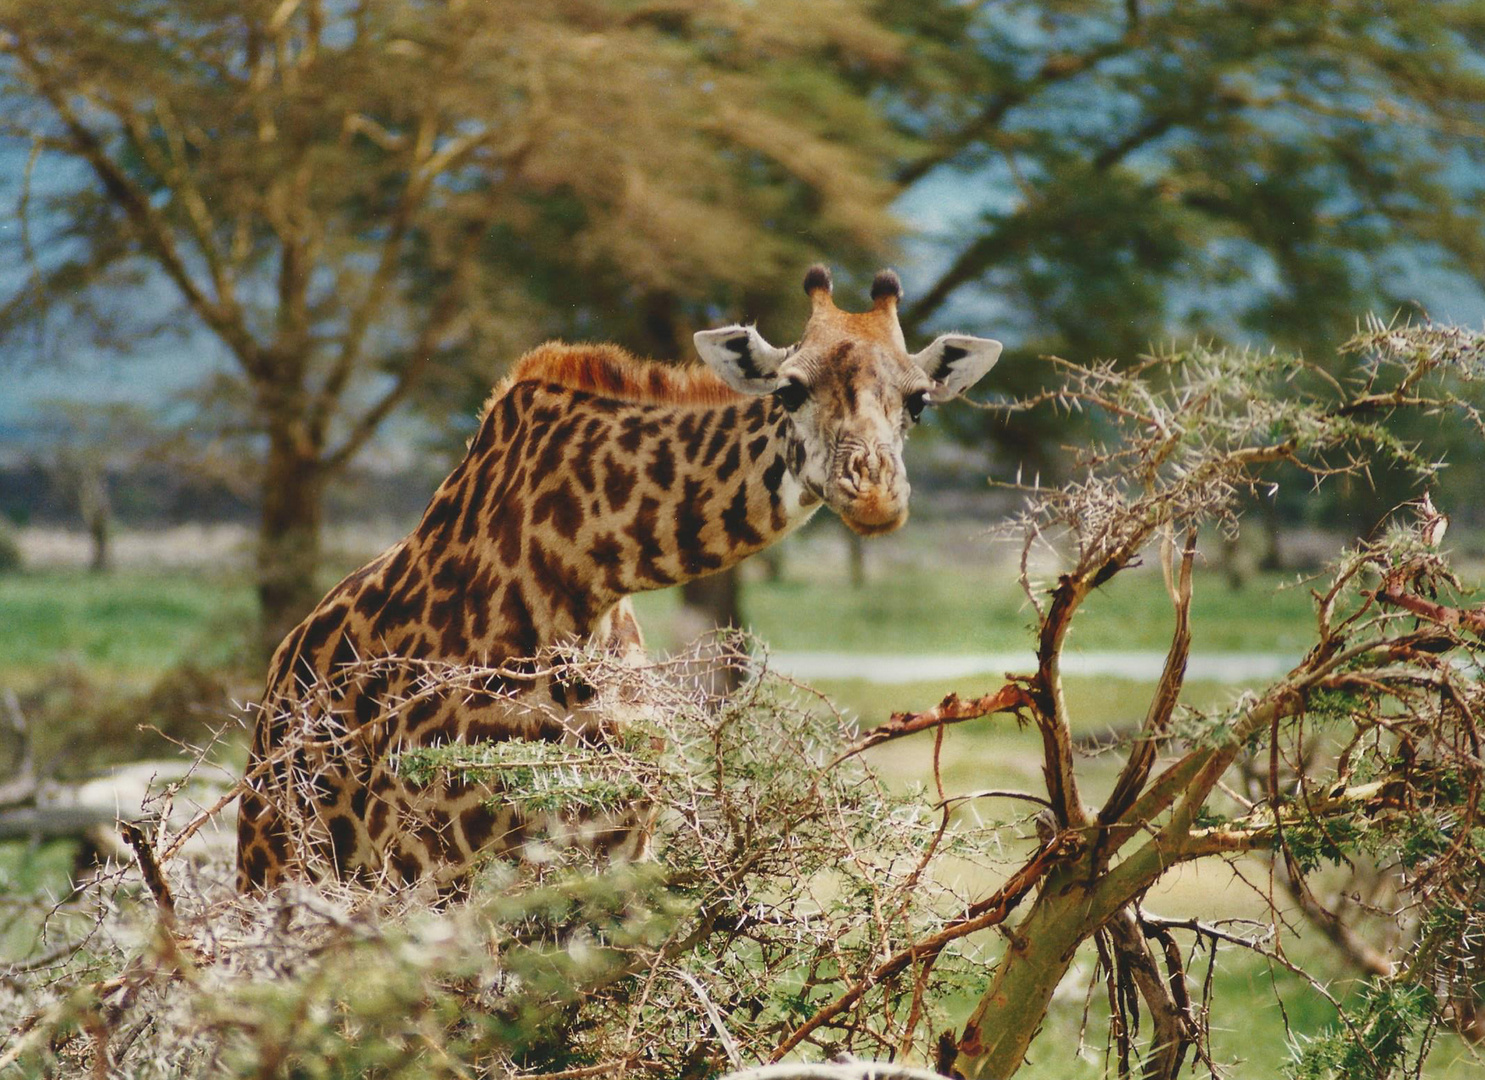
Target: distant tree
x=94, y=441
x=1105, y=175
x=359, y=201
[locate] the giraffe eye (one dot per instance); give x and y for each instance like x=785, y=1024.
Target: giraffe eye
x=791, y=394
x=914, y=404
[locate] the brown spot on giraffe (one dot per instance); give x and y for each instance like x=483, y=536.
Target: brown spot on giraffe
x=593, y=476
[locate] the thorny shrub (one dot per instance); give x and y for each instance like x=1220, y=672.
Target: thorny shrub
x=780, y=874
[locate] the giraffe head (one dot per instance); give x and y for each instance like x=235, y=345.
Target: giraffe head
x=852, y=392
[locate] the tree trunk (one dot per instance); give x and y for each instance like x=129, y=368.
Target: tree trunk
x=1040, y=950
x=1273, y=554
x=1073, y=903
x=714, y=603
x=717, y=596
x=288, y=541
x=97, y=514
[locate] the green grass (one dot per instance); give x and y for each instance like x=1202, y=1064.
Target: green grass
x=1251, y=1030
x=131, y=625
x=928, y=609
x=1094, y=705
x=29, y=871
x=138, y=624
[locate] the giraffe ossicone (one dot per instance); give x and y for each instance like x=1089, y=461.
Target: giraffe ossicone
x=593, y=476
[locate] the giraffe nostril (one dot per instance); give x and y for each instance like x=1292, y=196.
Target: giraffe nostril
x=865, y=467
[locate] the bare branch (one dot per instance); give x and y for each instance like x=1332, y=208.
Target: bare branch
x=223, y=318
x=1010, y=698
x=846, y=1070
x=1167, y=692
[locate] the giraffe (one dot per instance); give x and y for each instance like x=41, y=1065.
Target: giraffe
x=592, y=476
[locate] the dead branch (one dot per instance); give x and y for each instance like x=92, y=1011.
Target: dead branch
x=1167, y=693
x=21, y=787
x=149, y=869
x=1172, y=1034
x=1010, y=698
x=1453, y=618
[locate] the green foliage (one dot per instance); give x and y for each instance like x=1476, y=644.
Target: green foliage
x=538, y=777
x=1327, y=708
x=1383, y=1034
x=1333, y=840
x=1136, y=192
x=1423, y=837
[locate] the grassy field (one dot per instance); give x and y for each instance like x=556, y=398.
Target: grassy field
x=130, y=630
x=137, y=624
x=131, y=626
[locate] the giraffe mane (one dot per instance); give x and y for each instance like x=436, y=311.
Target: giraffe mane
x=612, y=372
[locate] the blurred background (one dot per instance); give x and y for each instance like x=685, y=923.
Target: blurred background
x=260, y=262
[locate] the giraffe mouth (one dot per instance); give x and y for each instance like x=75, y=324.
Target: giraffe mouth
x=865, y=528
x=873, y=515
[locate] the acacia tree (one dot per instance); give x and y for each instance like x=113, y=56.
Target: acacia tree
x=348, y=197
x=1368, y=748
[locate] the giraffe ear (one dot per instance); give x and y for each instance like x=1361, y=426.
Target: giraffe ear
x=956, y=362
x=739, y=354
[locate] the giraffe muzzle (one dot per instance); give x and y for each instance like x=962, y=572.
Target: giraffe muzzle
x=870, y=492
x=871, y=517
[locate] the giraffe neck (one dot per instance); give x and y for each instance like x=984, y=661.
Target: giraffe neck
x=579, y=500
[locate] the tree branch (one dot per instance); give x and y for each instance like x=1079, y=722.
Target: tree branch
x=983, y=252
x=1050, y=704
x=426, y=165
x=991, y=911
x=1471, y=619
x=1010, y=698
x=153, y=231
x=420, y=357
x=1054, y=69
x=846, y=1070
x=177, y=173
x=1167, y=692
x=1173, y=1032
x=361, y=314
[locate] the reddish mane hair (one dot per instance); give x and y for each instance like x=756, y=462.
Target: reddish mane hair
x=611, y=372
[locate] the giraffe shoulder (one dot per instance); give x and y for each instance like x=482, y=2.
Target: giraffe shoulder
x=610, y=371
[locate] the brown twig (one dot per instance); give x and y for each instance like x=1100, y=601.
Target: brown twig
x=1010, y=698
x=1471, y=619
x=149, y=869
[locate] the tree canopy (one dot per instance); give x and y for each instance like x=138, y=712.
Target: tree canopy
x=1105, y=176
x=1263, y=167
x=358, y=200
